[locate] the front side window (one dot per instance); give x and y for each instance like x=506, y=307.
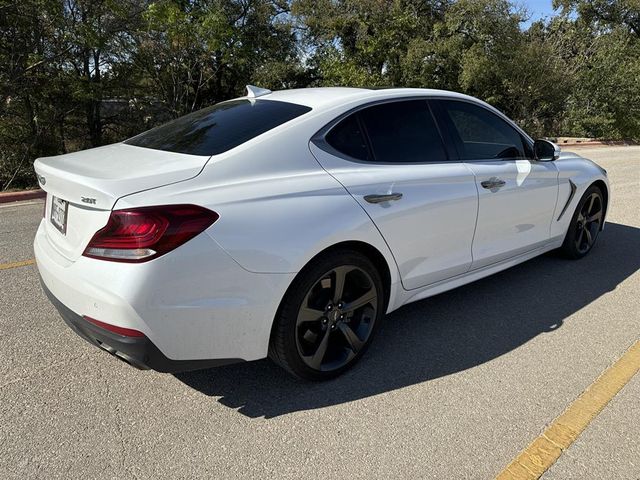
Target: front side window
x=393, y=132
x=218, y=128
x=481, y=134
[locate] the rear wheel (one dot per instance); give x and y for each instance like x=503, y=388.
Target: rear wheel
x=329, y=316
x=585, y=224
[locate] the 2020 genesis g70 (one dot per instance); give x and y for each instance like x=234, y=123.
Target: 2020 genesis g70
x=286, y=224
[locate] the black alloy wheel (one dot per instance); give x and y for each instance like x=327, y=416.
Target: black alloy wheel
x=327, y=323
x=336, y=318
x=585, y=224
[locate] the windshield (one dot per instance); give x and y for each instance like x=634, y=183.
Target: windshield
x=218, y=128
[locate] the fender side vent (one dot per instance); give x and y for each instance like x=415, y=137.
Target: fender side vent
x=571, y=195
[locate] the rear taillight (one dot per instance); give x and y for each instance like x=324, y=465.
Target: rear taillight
x=140, y=234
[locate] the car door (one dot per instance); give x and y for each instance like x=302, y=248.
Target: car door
x=391, y=158
x=517, y=194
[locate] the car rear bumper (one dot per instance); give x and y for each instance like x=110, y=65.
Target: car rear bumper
x=192, y=304
x=139, y=352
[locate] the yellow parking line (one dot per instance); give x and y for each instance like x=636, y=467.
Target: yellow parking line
x=7, y=266
x=543, y=452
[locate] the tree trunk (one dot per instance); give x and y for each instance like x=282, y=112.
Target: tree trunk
x=93, y=103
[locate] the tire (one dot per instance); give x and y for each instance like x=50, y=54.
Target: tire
x=319, y=333
x=585, y=225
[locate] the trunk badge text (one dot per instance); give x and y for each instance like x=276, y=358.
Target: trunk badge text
x=92, y=201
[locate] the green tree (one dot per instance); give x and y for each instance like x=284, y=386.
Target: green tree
x=610, y=13
x=605, y=99
x=365, y=42
x=195, y=53
x=81, y=73
x=98, y=33
x=32, y=96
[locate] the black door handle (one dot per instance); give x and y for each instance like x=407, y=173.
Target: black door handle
x=492, y=183
x=383, y=198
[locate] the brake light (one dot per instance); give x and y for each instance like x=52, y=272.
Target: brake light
x=140, y=234
x=126, y=332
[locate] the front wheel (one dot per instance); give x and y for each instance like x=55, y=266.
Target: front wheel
x=585, y=224
x=328, y=316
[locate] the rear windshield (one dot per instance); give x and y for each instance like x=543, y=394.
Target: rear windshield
x=218, y=128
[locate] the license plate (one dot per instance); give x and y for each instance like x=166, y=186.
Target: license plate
x=59, y=210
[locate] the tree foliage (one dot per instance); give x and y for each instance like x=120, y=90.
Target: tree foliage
x=610, y=13
x=82, y=73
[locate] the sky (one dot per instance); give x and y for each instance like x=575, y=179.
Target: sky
x=537, y=9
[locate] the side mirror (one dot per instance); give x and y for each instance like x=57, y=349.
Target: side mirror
x=545, y=151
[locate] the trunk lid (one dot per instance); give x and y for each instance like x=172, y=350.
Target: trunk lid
x=91, y=181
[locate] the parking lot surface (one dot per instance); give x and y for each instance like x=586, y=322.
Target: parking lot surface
x=454, y=386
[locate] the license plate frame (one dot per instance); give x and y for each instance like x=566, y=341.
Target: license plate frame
x=59, y=214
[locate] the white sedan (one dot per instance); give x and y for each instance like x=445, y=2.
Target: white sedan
x=286, y=224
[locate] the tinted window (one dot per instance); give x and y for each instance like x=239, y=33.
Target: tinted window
x=403, y=132
x=218, y=128
x=482, y=134
x=347, y=138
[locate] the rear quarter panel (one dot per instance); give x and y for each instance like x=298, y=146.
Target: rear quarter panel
x=278, y=208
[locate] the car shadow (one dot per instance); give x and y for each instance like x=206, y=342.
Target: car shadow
x=441, y=335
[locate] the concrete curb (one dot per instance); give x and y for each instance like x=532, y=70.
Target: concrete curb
x=583, y=144
x=594, y=143
x=7, y=197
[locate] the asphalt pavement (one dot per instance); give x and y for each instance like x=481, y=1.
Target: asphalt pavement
x=454, y=386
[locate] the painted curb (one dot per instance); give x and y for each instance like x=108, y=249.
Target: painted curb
x=8, y=197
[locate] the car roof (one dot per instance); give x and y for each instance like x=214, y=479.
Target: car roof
x=324, y=97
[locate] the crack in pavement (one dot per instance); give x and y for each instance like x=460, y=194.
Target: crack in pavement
x=119, y=426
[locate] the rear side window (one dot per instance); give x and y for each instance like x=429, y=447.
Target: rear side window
x=481, y=133
x=347, y=138
x=403, y=132
x=394, y=132
x=218, y=128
